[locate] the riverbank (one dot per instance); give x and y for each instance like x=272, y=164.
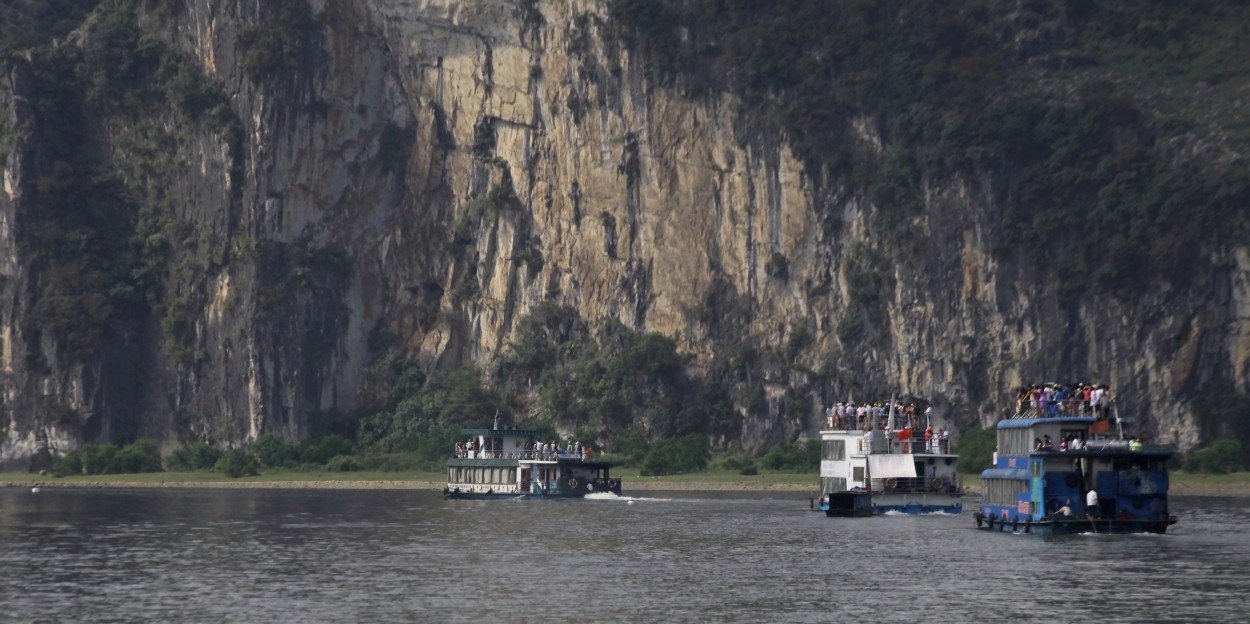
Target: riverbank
x=1182, y=484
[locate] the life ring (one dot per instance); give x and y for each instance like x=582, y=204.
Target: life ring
x=891, y=483
x=1070, y=480
x=573, y=483
x=612, y=483
x=939, y=484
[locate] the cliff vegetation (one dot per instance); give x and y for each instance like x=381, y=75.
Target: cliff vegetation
x=669, y=228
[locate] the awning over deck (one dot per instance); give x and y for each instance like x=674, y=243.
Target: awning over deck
x=891, y=466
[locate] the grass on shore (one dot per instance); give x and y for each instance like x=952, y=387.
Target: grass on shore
x=630, y=476
x=1235, y=483
x=269, y=476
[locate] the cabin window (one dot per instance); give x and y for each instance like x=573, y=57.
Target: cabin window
x=1015, y=441
x=857, y=473
x=833, y=450
x=1003, y=491
x=832, y=484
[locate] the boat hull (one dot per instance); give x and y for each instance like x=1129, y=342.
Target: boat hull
x=882, y=503
x=1075, y=525
x=470, y=493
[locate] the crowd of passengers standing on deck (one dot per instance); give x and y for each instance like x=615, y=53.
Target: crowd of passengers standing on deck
x=876, y=416
x=1068, y=399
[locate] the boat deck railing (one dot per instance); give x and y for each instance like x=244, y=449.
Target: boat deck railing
x=880, y=445
x=530, y=455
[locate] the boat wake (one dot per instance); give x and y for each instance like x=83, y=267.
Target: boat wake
x=608, y=496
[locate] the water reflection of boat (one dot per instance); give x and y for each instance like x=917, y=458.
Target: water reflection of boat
x=869, y=466
x=508, y=463
x=1092, y=480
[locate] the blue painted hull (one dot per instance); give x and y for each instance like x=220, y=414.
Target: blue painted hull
x=1075, y=525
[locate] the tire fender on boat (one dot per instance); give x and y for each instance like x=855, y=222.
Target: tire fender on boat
x=612, y=483
x=573, y=483
x=891, y=483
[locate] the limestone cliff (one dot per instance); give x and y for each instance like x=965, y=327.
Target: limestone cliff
x=434, y=169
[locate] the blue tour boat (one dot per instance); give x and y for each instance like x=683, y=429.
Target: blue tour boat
x=1092, y=480
x=870, y=467
x=511, y=463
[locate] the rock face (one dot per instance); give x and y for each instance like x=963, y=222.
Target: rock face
x=435, y=169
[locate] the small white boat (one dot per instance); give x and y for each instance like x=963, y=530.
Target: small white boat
x=511, y=463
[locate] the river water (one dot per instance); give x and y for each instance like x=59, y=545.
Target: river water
x=80, y=555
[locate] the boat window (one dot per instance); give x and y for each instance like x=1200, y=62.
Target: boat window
x=833, y=450
x=857, y=473
x=1003, y=491
x=832, y=484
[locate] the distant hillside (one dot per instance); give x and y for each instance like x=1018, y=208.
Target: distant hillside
x=689, y=222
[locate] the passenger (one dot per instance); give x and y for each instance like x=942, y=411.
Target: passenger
x=1046, y=444
x=1064, y=511
x=1091, y=503
x=1037, y=444
x=943, y=442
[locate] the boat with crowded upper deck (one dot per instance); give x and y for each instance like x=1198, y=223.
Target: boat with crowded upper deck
x=511, y=463
x=870, y=467
x=1066, y=468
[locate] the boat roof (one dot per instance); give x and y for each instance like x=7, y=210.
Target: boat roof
x=1025, y=423
x=1005, y=473
x=518, y=433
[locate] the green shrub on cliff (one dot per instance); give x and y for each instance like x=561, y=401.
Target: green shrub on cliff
x=30, y=23
x=274, y=47
x=238, y=463
x=138, y=456
x=67, y=464
x=198, y=456
x=1220, y=458
x=976, y=450
x=796, y=457
x=688, y=453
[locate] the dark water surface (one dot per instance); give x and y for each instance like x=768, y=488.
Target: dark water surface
x=408, y=556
